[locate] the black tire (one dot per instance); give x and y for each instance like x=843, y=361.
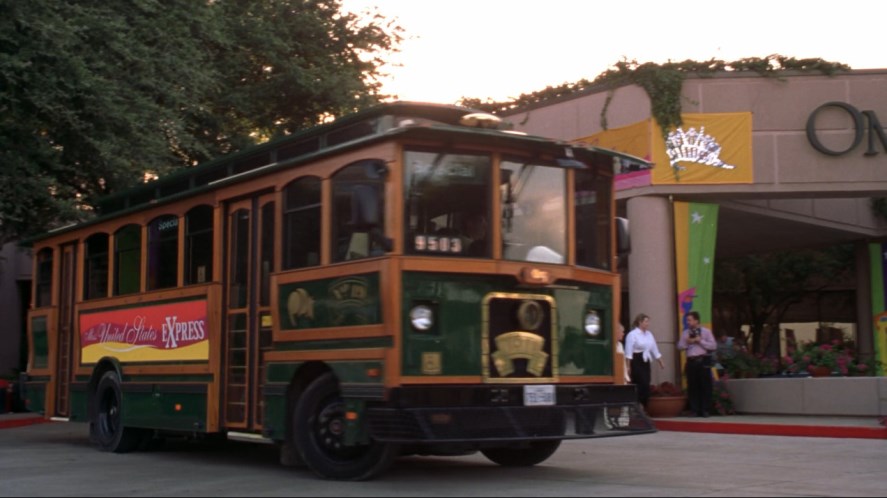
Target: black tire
x=522, y=456
x=106, y=428
x=318, y=431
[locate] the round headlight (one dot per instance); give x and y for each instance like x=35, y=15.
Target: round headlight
x=592, y=324
x=421, y=317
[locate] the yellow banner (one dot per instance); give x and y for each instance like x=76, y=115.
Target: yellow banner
x=634, y=139
x=705, y=149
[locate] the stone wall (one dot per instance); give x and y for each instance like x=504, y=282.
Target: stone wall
x=836, y=396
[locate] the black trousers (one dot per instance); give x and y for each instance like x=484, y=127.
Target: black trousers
x=640, y=377
x=699, y=384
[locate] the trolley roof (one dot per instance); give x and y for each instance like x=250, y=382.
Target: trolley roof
x=384, y=121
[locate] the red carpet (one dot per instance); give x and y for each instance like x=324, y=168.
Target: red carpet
x=772, y=429
x=10, y=423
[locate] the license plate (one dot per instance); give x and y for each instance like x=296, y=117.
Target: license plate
x=539, y=395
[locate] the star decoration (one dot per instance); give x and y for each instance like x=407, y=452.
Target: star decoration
x=697, y=218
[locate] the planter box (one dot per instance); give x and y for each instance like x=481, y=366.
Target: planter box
x=666, y=406
x=839, y=396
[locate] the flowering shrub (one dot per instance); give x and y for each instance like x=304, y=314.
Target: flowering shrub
x=838, y=356
x=721, y=401
x=739, y=362
x=665, y=389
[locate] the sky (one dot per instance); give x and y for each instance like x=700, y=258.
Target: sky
x=499, y=49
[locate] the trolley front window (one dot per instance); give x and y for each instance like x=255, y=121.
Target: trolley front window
x=534, y=216
x=447, y=204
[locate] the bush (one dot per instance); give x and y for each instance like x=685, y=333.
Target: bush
x=738, y=362
x=721, y=401
x=839, y=356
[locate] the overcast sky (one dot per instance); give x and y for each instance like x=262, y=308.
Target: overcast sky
x=502, y=48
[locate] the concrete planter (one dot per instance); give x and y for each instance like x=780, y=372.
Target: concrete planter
x=838, y=396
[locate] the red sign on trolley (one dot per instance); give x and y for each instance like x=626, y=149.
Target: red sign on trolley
x=162, y=332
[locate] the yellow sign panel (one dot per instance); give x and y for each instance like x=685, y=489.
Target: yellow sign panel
x=705, y=149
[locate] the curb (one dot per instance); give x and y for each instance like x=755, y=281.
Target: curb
x=773, y=429
x=22, y=422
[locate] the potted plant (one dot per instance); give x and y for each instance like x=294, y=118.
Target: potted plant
x=666, y=400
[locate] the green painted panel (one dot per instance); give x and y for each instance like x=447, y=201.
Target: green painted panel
x=157, y=410
x=35, y=397
x=280, y=373
x=456, y=336
x=356, y=372
x=79, y=406
x=339, y=302
x=275, y=417
x=581, y=354
x=40, y=336
x=346, y=371
x=456, y=302
x=191, y=378
x=333, y=344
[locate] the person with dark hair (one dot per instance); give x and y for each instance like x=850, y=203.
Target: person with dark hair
x=476, y=235
x=620, y=352
x=698, y=342
x=641, y=349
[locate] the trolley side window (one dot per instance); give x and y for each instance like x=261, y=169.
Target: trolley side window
x=199, y=245
x=43, y=281
x=593, y=209
x=127, y=260
x=359, y=211
x=95, y=284
x=301, y=223
x=163, y=252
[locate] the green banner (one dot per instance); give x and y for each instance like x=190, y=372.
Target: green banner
x=878, y=263
x=696, y=229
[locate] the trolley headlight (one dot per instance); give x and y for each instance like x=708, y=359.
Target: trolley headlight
x=592, y=324
x=422, y=317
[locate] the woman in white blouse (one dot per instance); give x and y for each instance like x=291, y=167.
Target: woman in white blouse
x=640, y=350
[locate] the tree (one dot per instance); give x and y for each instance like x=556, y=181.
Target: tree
x=94, y=95
x=760, y=288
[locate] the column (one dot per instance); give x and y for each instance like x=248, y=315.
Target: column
x=865, y=338
x=651, y=277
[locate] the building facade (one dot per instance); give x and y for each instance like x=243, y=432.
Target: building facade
x=15, y=292
x=788, y=162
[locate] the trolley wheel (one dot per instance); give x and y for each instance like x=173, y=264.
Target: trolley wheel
x=522, y=456
x=318, y=428
x=107, y=429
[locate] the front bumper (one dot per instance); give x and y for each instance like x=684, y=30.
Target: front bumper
x=493, y=413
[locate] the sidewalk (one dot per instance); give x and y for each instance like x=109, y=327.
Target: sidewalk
x=761, y=425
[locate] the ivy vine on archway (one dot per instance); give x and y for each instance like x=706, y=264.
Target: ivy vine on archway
x=662, y=82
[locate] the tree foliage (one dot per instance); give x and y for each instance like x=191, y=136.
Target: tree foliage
x=95, y=94
x=760, y=288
